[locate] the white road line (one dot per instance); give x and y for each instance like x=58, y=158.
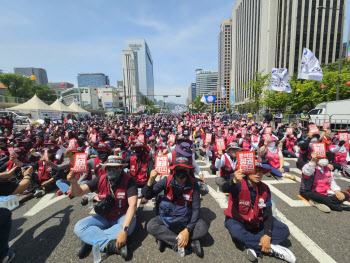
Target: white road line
x=306, y=242
x=285, y=198
x=286, y=163
x=45, y=201
x=290, y=159
x=208, y=175
x=219, y=197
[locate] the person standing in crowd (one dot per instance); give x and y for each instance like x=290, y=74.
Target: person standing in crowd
x=47, y=119
x=29, y=119
x=278, y=118
x=267, y=117
x=304, y=118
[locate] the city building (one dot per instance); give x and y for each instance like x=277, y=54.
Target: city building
x=191, y=93
x=39, y=73
x=119, y=83
x=110, y=97
x=131, y=80
x=58, y=87
x=224, y=61
x=272, y=34
x=92, y=79
x=85, y=97
x=144, y=66
x=206, y=81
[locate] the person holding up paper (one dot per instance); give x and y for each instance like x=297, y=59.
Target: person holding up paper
x=249, y=217
x=289, y=149
x=318, y=185
x=273, y=159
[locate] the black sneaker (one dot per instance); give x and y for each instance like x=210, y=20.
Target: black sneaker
x=197, y=248
x=84, y=250
x=161, y=245
x=39, y=193
x=111, y=249
x=345, y=207
x=9, y=257
x=84, y=201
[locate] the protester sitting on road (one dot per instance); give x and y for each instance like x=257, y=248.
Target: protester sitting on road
x=10, y=188
x=226, y=163
x=115, y=215
x=178, y=223
x=249, y=217
x=273, y=159
x=289, y=149
x=320, y=188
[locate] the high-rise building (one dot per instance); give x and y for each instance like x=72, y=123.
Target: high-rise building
x=39, y=73
x=224, y=61
x=119, y=83
x=191, y=93
x=58, y=87
x=130, y=80
x=270, y=34
x=144, y=66
x=92, y=79
x=206, y=81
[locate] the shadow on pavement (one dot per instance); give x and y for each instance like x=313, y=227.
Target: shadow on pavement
x=16, y=230
x=38, y=249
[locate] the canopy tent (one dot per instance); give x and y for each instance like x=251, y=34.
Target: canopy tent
x=37, y=108
x=61, y=107
x=76, y=108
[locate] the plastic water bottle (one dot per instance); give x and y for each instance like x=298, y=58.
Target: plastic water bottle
x=15, y=201
x=9, y=203
x=336, y=174
x=2, y=202
x=180, y=251
x=206, y=159
x=96, y=252
x=91, y=202
x=274, y=214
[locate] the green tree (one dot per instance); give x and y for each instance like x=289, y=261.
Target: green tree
x=256, y=86
x=197, y=105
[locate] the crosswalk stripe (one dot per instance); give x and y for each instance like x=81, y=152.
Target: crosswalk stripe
x=286, y=198
x=45, y=201
x=219, y=197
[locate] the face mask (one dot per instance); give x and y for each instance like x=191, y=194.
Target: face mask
x=152, y=144
x=271, y=144
x=102, y=156
x=113, y=175
x=181, y=174
x=323, y=162
x=313, y=140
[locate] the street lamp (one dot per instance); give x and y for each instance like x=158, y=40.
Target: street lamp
x=341, y=43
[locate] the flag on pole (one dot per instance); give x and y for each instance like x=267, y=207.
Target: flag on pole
x=75, y=100
x=60, y=99
x=203, y=99
x=210, y=98
x=310, y=67
x=223, y=92
x=280, y=80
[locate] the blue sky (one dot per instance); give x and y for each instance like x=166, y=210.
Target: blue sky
x=68, y=37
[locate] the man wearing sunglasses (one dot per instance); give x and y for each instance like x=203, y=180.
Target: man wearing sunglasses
x=115, y=214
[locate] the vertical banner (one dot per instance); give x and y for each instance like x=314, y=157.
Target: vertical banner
x=220, y=143
x=208, y=137
x=319, y=149
x=161, y=164
x=80, y=163
x=246, y=162
x=313, y=128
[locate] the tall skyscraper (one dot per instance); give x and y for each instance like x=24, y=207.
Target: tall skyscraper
x=206, y=81
x=39, y=73
x=191, y=93
x=144, y=66
x=92, y=79
x=270, y=34
x=130, y=80
x=224, y=61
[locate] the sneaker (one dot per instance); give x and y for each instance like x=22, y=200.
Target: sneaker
x=10, y=256
x=84, y=201
x=250, y=255
x=282, y=253
x=111, y=249
x=319, y=206
x=39, y=193
x=197, y=248
x=161, y=245
x=345, y=207
x=59, y=192
x=288, y=176
x=84, y=250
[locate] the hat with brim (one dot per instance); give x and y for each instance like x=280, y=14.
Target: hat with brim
x=233, y=146
x=259, y=164
x=184, y=149
x=115, y=161
x=139, y=146
x=181, y=162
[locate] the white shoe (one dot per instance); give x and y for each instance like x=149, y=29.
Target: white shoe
x=282, y=253
x=319, y=206
x=250, y=254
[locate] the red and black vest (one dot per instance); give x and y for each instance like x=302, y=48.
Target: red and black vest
x=174, y=155
x=228, y=169
x=99, y=168
x=139, y=169
x=242, y=210
x=121, y=204
x=44, y=173
x=185, y=198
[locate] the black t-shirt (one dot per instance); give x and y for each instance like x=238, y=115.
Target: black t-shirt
x=7, y=187
x=131, y=187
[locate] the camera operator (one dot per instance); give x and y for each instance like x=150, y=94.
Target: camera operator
x=10, y=188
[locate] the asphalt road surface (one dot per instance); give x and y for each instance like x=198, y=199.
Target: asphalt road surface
x=42, y=228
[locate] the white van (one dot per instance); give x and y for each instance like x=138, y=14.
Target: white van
x=335, y=112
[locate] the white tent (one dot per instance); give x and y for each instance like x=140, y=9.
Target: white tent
x=37, y=108
x=76, y=108
x=61, y=107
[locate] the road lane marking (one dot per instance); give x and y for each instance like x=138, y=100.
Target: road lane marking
x=44, y=202
x=219, y=197
x=285, y=198
x=305, y=241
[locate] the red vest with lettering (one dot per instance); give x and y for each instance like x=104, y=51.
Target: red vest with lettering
x=44, y=173
x=174, y=155
x=340, y=158
x=139, y=173
x=290, y=144
x=185, y=198
x=273, y=158
x=98, y=167
x=227, y=170
x=121, y=204
x=10, y=165
x=215, y=154
x=246, y=145
x=242, y=210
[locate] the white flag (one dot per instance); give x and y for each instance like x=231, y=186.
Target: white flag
x=203, y=99
x=75, y=100
x=60, y=99
x=280, y=80
x=310, y=67
x=223, y=92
